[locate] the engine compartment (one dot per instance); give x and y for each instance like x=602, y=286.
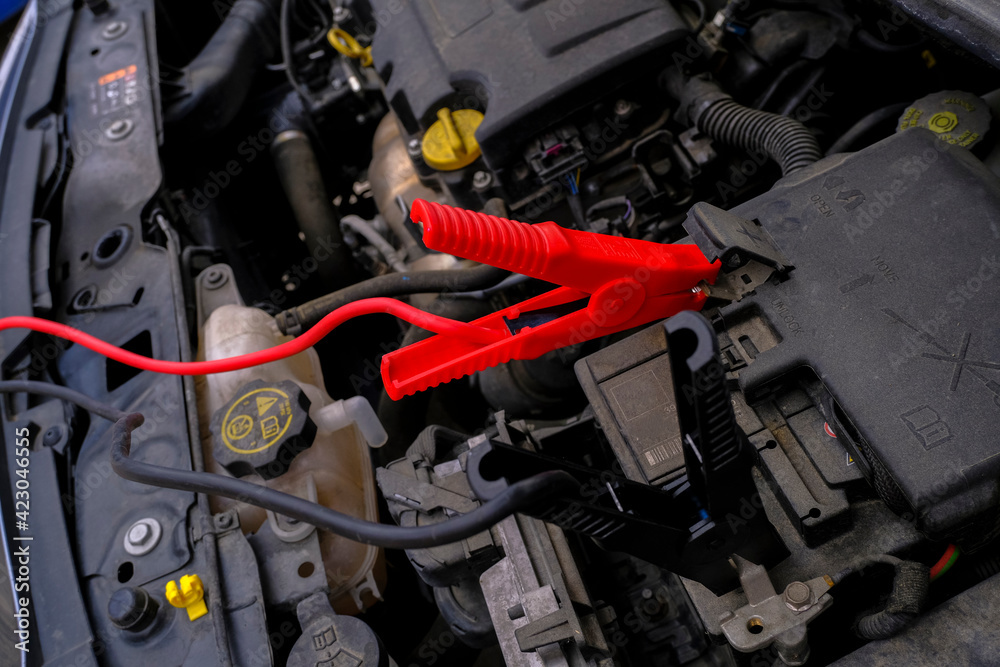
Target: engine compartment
x=691, y=301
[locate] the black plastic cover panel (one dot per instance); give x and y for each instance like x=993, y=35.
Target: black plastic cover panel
x=530, y=61
x=893, y=304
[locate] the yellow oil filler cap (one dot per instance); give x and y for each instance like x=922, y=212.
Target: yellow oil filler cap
x=450, y=143
x=190, y=595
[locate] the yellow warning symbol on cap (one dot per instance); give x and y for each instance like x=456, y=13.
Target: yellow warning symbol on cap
x=263, y=403
x=257, y=420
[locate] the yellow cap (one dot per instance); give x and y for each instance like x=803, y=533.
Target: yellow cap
x=450, y=143
x=190, y=595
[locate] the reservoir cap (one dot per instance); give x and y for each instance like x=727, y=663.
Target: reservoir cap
x=262, y=428
x=956, y=117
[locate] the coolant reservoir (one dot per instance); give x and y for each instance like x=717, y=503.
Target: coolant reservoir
x=336, y=462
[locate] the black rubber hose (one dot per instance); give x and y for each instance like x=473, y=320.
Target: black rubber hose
x=865, y=125
x=89, y=404
x=302, y=180
x=518, y=496
x=910, y=586
x=785, y=140
x=215, y=84
x=296, y=320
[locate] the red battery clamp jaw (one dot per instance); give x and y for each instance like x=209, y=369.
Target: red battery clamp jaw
x=609, y=284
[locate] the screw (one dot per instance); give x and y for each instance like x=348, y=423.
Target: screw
x=414, y=148
x=623, y=108
x=223, y=521
x=798, y=596
x=215, y=279
x=341, y=15
x=52, y=436
x=114, y=30
x=119, y=129
x=482, y=180
x=142, y=536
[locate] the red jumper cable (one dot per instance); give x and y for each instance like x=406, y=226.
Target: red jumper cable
x=609, y=284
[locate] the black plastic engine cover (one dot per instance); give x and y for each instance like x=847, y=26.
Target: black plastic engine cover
x=531, y=62
x=892, y=304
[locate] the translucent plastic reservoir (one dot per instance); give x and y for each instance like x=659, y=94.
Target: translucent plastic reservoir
x=337, y=462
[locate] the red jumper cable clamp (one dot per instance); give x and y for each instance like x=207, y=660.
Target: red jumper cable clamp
x=609, y=284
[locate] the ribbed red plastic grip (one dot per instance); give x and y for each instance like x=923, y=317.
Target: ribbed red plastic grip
x=511, y=245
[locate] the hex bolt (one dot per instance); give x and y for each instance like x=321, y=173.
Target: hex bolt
x=114, y=30
x=798, y=596
x=119, y=129
x=623, y=108
x=142, y=536
x=215, y=279
x=482, y=180
x=414, y=148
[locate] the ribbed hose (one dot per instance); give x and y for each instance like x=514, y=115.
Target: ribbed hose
x=787, y=141
x=910, y=586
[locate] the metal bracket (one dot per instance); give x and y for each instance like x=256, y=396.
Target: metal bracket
x=772, y=618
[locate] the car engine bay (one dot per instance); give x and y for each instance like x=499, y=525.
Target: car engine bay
x=500, y=332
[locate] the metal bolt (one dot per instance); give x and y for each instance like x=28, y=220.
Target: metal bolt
x=482, y=180
x=114, y=30
x=623, y=108
x=223, y=521
x=142, y=536
x=341, y=15
x=413, y=147
x=119, y=129
x=52, y=436
x=139, y=533
x=215, y=279
x=798, y=596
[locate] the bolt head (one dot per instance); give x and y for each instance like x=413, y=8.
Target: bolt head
x=798, y=596
x=623, y=107
x=139, y=534
x=413, y=146
x=142, y=537
x=114, y=29
x=482, y=180
x=215, y=278
x=118, y=129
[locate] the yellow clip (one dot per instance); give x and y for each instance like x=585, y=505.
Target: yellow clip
x=342, y=41
x=190, y=596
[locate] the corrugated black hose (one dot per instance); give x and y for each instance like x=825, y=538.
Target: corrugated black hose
x=785, y=140
x=909, y=590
